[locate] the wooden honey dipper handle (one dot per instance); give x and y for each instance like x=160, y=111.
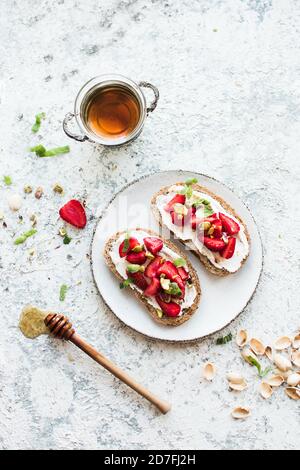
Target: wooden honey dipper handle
x=61, y=328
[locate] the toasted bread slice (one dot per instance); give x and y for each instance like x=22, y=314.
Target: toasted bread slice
x=203, y=258
x=165, y=320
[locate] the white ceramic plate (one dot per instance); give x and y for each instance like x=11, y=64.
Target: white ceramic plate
x=222, y=298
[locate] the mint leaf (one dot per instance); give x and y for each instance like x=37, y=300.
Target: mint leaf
x=7, y=180
x=41, y=151
x=224, y=339
x=38, y=121
x=24, y=237
x=67, y=239
x=63, y=292
x=204, y=204
x=126, y=243
x=126, y=283
x=179, y=262
x=191, y=181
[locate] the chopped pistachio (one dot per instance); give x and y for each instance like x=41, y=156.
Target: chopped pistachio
x=33, y=220
x=62, y=232
x=57, y=188
x=138, y=249
x=159, y=313
x=27, y=189
x=165, y=283
x=39, y=192
x=180, y=209
x=31, y=252
x=150, y=255
x=1, y=215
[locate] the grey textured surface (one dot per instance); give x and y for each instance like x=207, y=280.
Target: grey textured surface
x=228, y=74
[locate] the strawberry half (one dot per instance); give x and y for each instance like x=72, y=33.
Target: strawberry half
x=195, y=221
x=178, y=199
x=217, y=225
x=214, y=244
x=230, y=226
x=139, y=280
x=136, y=258
x=151, y=270
x=73, y=212
x=132, y=243
x=228, y=251
x=153, y=288
x=153, y=244
x=170, y=309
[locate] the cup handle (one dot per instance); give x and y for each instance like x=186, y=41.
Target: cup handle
x=156, y=95
x=67, y=119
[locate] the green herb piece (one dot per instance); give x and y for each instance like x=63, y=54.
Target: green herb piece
x=174, y=289
x=224, y=339
x=38, y=120
x=7, y=180
x=24, y=236
x=205, y=205
x=126, y=243
x=254, y=362
x=41, y=151
x=134, y=268
x=187, y=191
x=179, y=262
x=126, y=283
x=67, y=239
x=138, y=249
x=63, y=292
x=191, y=181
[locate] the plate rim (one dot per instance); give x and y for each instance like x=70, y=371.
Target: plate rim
x=146, y=335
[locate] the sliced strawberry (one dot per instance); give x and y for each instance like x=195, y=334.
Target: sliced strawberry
x=168, y=269
x=136, y=258
x=153, y=288
x=151, y=270
x=214, y=244
x=217, y=225
x=183, y=274
x=74, y=213
x=178, y=199
x=177, y=219
x=132, y=243
x=230, y=226
x=153, y=244
x=139, y=280
x=228, y=251
x=170, y=309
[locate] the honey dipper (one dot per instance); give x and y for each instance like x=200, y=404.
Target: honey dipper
x=61, y=327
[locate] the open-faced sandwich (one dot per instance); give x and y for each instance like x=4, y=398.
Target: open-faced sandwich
x=157, y=272
x=205, y=223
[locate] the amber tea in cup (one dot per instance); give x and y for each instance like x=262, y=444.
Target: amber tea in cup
x=113, y=112
x=110, y=110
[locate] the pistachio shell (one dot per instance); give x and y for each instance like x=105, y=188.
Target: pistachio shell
x=294, y=379
x=293, y=393
x=283, y=342
x=296, y=358
x=241, y=338
x=240, y=413
x=235, y=378
x=285, y=375
x=238, y=387
x=266, y=390
x=275, y=380
x=257, y=347
x=269, y=353
x=282, y=362
x=247, y=352
x=209, y=371
x=296, y=341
